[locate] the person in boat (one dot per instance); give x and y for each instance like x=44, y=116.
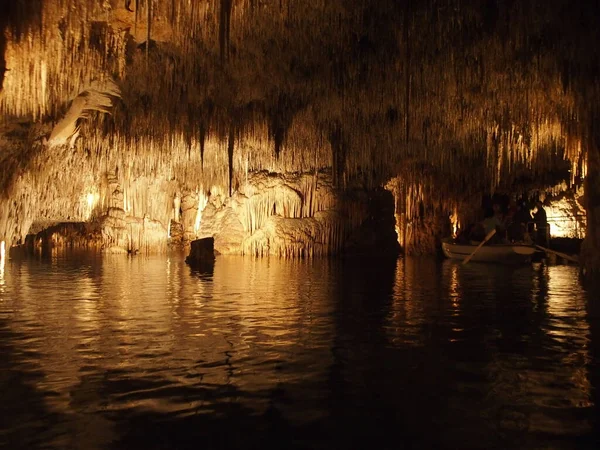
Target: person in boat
x=494, y=220
x=510, y=212
x=541, y=224
x=517, y=228
x=464, y=236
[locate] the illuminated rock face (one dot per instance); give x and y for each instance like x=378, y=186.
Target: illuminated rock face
x=290, y=215
x=208, y=92
x=566, y=213
x=422, y=213
x=287, y=215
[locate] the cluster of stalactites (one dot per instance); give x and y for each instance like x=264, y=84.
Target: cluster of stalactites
x=321, y=235
x=313, y=83
x=298, y=196
x=425, y=210
x=142, y=177
x=296, y=215
x=541, y=148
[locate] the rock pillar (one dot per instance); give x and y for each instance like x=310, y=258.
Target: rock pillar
x=590, y=249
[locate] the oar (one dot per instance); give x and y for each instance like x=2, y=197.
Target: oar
x=562, y=255
x=487, y=238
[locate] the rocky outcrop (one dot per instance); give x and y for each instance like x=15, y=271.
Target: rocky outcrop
x=565, y=212
x=291, y=215
x=122, y=233
x=202, y=253
x=422, y=214
x=114, y=232
x=287, y=215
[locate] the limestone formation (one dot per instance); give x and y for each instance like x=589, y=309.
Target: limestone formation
x=207, y=94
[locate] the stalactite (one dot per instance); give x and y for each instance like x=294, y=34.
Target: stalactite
x=498, y=105
x=148, y=29
x=224, y=28
x=406, y=30
x=202, y=137
x=338, y=153
x=137, y=9
x=230, y=147
x=2, y=58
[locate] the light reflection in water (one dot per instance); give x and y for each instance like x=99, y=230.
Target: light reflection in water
x=454, y=285
x=486, y=353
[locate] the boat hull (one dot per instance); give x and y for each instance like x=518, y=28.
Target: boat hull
x=493, y=253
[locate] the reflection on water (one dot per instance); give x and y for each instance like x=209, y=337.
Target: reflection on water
x=102, y=351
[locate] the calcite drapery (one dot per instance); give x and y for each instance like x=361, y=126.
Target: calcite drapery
x=361, y=87
x=285, y=215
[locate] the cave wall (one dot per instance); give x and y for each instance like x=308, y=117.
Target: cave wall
x=293, y=215
x=209, y=92
x=590, y=249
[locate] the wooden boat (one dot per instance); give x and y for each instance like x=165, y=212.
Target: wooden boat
x=493, y=253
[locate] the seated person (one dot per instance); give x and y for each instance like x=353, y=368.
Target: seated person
x=492, y=223
x=517, y=229
x=493, y=219
x=510, y=213
x=541, y=224
x=477, y=233
x=522, y=214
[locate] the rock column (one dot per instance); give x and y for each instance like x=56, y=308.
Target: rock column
x=590, y=250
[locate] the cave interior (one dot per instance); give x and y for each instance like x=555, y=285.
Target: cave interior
x=293, y=127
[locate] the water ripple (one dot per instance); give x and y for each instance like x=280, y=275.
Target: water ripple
x=117, y=352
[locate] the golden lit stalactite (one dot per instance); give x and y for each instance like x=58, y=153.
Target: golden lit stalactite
x=230, y=148
x=202, y=202
x=224, y=28
x=454, y=222
x=394, y=75
x=339, y=148
x=203, y=127
x=148, y=31
x=3, y=68
x=99, y=96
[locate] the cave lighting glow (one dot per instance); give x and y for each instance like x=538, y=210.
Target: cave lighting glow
x=202, y=202
x=423, y=121
x=90, y=200
x=562, y=222
x=454, y=222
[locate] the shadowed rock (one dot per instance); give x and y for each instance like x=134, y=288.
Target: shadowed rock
x=202, y=253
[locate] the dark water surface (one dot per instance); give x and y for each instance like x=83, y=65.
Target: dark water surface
x=112, y=352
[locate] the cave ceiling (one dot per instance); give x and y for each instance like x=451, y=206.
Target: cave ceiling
x=505, y=90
